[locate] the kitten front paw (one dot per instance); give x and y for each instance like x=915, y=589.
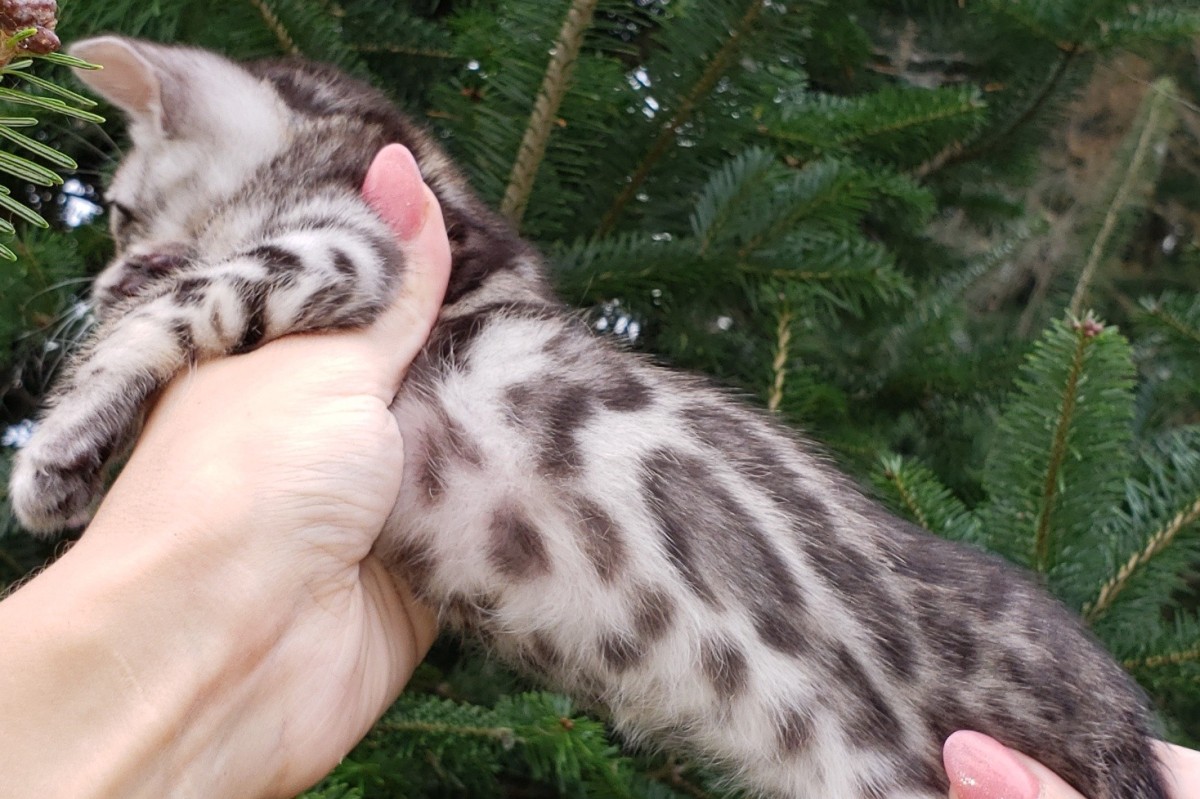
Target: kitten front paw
x=56, y=483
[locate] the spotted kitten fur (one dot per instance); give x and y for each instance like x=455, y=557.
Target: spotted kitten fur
x=624, y=531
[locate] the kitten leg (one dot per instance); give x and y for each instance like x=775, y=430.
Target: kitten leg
x=297, y=281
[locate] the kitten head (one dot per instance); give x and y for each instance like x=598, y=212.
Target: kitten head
x=222, y=151
x=201, y=126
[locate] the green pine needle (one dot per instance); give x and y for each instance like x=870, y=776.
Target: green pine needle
x=37, y=148
x=14, y=207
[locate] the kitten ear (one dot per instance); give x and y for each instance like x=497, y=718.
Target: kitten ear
x=129, y=80
x=170, y=91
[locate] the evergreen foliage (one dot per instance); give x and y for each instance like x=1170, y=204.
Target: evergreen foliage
x=846, y=211
x=25, y=89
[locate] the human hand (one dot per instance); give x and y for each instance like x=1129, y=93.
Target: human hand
x=222, y=628
x=979, y=767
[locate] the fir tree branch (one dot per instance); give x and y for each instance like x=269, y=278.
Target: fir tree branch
x=965, y=109
x=505, y=735
x=1159, y=311
x=727, y=191
x=401, y=49
x=914, y=488
x=958, y=153
x=906, y=496
x=791, y=275
x=1058, y=449
x=824, y=123
x=1158, y=102
x=1166, y=659
x=783, y=340
x=276, y=26
x=1159, y=541
x=830, y=191
x=707, y=80
x=1013, y=10
x=545, y=109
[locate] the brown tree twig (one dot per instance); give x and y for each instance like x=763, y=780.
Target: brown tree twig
x=276, y=26
x=1158, y=102
x=783, y=340
x=1058, y=453
x=1159, y=541
x=545, y=109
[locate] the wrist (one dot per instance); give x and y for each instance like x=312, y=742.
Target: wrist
x=127, y=658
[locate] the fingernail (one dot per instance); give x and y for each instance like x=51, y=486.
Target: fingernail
x=394, y=188
x=981, y=768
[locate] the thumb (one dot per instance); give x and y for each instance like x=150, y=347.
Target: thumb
x=395, y=190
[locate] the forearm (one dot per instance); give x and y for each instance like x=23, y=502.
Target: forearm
x=117, y=665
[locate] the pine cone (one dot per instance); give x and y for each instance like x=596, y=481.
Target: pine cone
x=16, y=15
x=43, y=42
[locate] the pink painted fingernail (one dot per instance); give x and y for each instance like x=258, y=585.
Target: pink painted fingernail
x=394, y=188
x=981, y=768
